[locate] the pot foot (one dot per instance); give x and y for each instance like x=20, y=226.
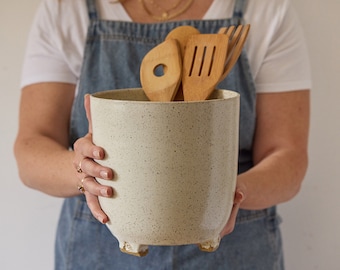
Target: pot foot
x=133, y=249
x=210, y=245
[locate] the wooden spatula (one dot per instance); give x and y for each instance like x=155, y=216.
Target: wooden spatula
x=182, y=34
x=167, y=57
x=203, y=65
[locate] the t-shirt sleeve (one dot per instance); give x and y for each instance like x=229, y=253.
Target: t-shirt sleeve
x=44, y=59
x=285, y=66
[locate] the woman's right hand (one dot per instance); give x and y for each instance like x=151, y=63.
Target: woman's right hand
x=88, y=169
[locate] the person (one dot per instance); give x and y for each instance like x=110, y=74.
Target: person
x=79, y=47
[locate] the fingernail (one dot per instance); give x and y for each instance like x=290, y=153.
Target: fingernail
x=104, y=220
x=104, y=192
x=104, y=175
x=239, y=196
x=96, y=153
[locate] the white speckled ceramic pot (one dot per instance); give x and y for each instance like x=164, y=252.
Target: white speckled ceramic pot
x=175, y=167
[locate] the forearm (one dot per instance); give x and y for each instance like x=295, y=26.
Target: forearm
x=46, y=165
x=275, y=179
x=280, y=149
x=41, y=146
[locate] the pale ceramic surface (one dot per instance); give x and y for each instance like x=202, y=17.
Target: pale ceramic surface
x=175, y=166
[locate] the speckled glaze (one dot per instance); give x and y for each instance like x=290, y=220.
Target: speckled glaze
x=175, y=167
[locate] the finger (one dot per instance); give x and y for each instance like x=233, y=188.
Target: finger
x=93, y=204
x=84, y=147
x=231, y=222
x=90, y=167
x=85, y=152
x=238, y=199
x=88, y=111
x=92, y=186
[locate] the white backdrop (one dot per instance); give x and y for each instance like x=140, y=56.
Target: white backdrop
x=311, y=220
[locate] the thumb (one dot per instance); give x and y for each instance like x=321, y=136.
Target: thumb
x=88, y=111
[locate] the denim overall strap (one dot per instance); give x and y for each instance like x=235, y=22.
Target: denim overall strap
x=112, y=57
x=91, y=7
x=239, y=10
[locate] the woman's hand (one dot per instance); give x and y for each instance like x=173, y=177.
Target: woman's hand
x=84, y=161
x=238, y=199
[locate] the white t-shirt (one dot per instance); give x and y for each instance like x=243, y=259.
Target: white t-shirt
x=276, y=48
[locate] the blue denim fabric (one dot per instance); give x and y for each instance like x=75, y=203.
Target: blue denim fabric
x=84, y=243
x=113, y=53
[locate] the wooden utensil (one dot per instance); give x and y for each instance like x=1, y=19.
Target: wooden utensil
x=237, y=38
x=182, y=34
x=166, y=57
x=203, y=65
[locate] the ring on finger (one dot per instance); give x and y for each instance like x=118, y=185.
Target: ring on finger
x=79, y=169
x=81, y=186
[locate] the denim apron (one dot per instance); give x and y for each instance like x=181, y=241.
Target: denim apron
x=112, y=58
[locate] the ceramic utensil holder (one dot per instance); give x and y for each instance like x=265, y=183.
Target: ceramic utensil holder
x=175, y=166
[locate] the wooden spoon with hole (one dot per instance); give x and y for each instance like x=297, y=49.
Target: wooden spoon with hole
x=166, y=55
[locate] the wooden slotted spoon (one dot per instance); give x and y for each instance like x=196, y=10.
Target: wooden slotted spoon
x=182, y=34
x=203, y=65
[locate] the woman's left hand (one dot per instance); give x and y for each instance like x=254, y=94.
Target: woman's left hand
x=238, y=199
